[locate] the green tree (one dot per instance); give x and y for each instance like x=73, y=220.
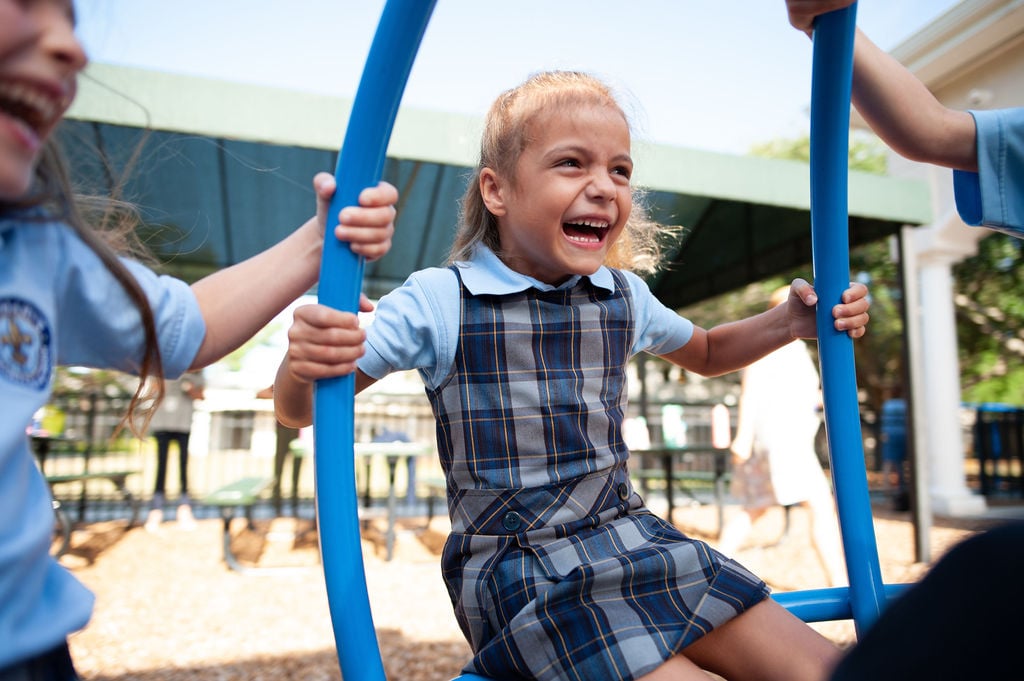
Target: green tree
x=867, y=153
x=878, y=354
x=988, y=293
x=989, y=298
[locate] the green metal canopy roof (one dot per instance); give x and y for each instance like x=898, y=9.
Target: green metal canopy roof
x=222, y=170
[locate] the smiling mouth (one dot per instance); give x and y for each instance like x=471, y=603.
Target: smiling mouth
x=586, y=231
x=35, y=109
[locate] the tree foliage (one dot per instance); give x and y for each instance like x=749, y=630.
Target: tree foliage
x=878, y=354
x=988, y=293
x=989, y=298
x=867, y=153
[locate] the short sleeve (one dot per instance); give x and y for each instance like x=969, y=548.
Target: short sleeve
x=415, y=327
x=101, y=326
x=659, y=330
x=994, y=196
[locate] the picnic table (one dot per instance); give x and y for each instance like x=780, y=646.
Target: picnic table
x=42, y=444
x=392, y=453
x=683, y=466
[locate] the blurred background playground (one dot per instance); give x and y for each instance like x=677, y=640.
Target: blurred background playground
x=940, y=373
x=100, y=473
x=169, y=605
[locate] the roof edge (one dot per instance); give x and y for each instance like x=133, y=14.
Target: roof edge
x=135, y=97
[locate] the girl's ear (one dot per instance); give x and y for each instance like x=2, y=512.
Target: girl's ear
x=492, y=192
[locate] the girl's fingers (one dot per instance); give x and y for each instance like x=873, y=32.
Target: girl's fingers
x=371, y=238
x=311, y=361
x=384, y=194
x=855, y=325
x=308, y=372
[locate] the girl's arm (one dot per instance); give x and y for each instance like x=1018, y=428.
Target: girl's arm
x=732, y=346
x=322, y=343
x=897, y=106
x=238, y=301
x=906, y=115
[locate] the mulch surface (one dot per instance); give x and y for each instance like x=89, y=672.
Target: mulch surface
x=168, y=608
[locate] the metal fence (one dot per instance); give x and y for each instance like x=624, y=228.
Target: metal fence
x=76, y=435
x=84, y=456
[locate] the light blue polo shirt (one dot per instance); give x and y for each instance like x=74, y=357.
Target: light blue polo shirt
x=994, y=196
x=60, y=305
x=416, y=326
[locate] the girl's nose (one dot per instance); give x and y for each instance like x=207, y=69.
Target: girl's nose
x=601, y=186
x=59, y=38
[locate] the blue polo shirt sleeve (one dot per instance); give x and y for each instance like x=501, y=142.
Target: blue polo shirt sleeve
x=100, y=325
x=658, y=329
x=994, y=196
x=415, y=327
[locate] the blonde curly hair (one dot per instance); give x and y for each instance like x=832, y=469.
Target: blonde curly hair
x=507, y=134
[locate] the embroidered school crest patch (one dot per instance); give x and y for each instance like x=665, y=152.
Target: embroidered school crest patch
x=25, y=339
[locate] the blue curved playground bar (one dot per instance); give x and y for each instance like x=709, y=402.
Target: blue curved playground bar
x=830, y=129
x=360, y=164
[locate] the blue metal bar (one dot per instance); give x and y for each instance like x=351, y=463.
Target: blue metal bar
x=360, y=164
x=827, y=605
x=830, y=130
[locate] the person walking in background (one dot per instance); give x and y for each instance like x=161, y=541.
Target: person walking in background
x=283, y=449
x=172, y=422
x=774, y=461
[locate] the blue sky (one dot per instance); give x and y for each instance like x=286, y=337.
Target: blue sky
x=697, y=73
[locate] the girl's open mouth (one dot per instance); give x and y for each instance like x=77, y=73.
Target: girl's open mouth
x=586, y=231
x=35, y=109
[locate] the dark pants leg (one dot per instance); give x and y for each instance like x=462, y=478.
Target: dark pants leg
x=296, y=472
x=285, y=435
x=54, y=665
x=962, y=621
x=163, y=445
x=182, y=439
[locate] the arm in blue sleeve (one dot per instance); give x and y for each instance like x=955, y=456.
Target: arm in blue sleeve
x=659, y=330
x=415, y=327
x=994, y=196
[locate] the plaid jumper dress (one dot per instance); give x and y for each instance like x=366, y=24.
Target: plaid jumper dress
x=555, y=568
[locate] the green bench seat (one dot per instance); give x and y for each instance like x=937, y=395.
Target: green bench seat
x=240, y=495
x=117, y=478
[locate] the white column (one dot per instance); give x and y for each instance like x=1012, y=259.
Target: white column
x=939, y=405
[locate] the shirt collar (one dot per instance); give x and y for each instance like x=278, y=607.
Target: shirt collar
x=485, y=274
x=19, y=216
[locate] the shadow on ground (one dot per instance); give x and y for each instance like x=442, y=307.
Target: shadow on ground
x=90, y=541
x=254, y=546
x=403, y=659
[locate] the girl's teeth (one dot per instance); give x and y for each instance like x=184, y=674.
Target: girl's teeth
x=28, y=103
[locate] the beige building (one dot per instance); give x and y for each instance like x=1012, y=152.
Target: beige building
x=972, y=57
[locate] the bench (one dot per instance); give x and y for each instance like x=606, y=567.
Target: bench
x=117, y=478
x=392, y=453
x=240, y=495
x=687, y=467
x=688, y=482
x=436, y=488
